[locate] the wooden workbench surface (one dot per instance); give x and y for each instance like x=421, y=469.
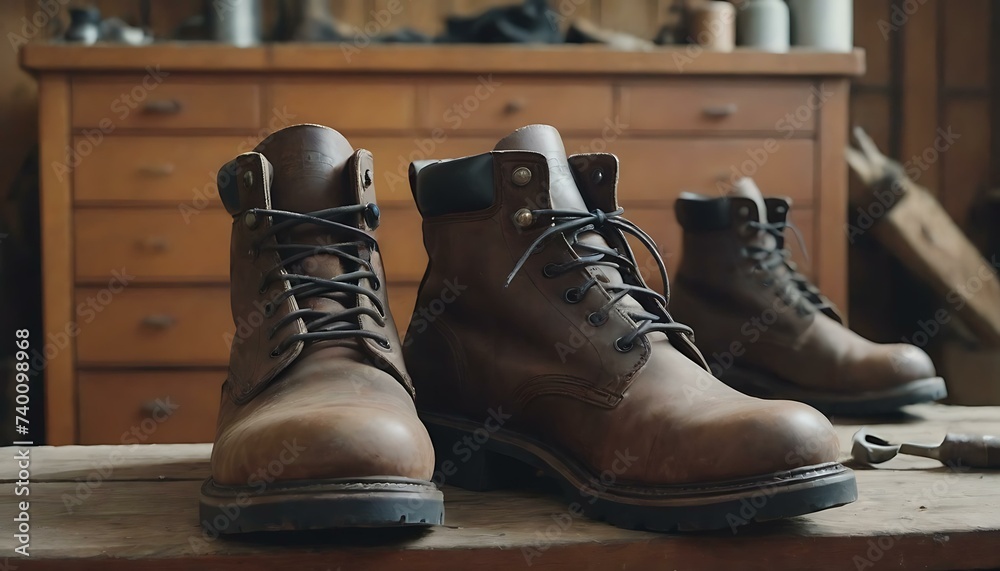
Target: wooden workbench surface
x=107, y=508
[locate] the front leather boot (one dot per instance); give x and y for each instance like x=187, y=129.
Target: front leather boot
x=767, y=330
x=537, y=346
x=317, y=427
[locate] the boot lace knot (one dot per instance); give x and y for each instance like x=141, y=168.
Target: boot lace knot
x=571, y=224
x=322, y=325
x=770, y=259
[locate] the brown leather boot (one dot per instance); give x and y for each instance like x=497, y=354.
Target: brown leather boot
x=767, y=330
x=317, y=427
x=535, y=342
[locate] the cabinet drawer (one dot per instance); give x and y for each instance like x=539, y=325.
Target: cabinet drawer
x=660, y=169
x=149, y=407
x=152, y=245
x=503, y=105
x=401, y=239
x=348, y=104
x=692, y=106
x=173, y=170
x=142, y=103
x=148, y=327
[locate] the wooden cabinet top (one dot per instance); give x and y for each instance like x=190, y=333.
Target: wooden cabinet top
x=348, y=58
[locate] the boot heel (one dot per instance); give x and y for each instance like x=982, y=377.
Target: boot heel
x=461, y=461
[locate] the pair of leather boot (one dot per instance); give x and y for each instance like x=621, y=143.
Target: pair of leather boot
x=767, y=330
x=554, y=357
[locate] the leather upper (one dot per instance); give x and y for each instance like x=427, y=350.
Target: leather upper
x=528, y=350
x=761, y=319
x=345, y=397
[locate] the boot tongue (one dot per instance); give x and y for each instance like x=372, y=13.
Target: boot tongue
x=747, y=188
x=310, y=164
x=310, y=174
x=563, y=192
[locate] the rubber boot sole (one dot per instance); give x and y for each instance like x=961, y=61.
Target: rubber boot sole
x=884, y=401
x=471, y=457
x=321, y=504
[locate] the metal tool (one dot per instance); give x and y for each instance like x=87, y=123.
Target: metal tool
x=965, y=450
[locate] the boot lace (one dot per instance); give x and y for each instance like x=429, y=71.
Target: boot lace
x=770, y=259
x=321, y=325
x=573, y=223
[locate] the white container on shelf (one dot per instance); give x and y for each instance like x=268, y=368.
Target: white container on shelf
x=825, y=25
x=763, y=25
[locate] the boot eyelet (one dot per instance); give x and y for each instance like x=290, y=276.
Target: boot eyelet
x=524, y=218
x=251, y=220
x=376, y=284
x=373, y=216
x=549, y=270
x=268, y=309
x=262, y=288
x=621, y=347
x=521, y=176
x=275, y=353
x=597, y=176
x=573, y=295
x=597, y=319
x=383, y=344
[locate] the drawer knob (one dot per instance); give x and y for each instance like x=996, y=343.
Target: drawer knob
x=161, y=321
x=165, y=169
x=163, y=106
x=155, y=244
x=720, y=111
x=151, y=407
x=515, y=106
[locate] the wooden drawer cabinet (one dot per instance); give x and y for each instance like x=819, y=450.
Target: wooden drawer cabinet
x=361, y=104
x=160, y=169
x=156, y=245
x=658, y=170
x=144, y=327
x=701, y=106
x=165, y=102
x=141, y=198
x=495, y=103
x=149, y=407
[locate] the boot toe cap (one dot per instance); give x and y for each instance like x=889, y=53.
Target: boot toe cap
x=323, y=443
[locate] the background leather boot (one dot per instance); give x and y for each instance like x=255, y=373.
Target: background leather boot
x=535, y=342
x=767, y=330
x=317, y=427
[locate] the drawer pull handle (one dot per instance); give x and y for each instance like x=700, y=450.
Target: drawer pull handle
x=149, y=408
x=515, y=106
x=720, y=111
x=158, y=321
x=163, y=106
x=155, y=244
x=166, y=169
